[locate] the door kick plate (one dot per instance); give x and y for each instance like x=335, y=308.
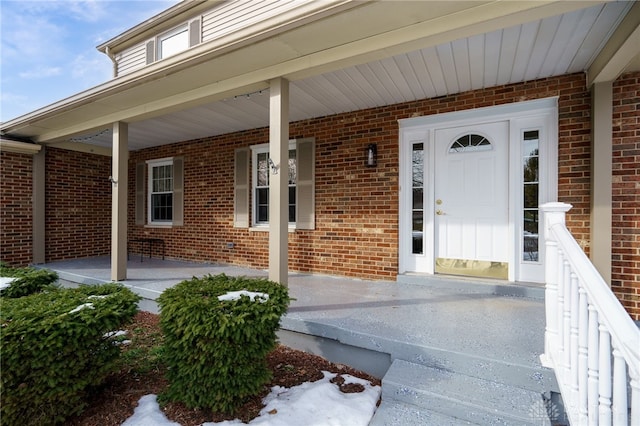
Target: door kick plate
x=472, y=268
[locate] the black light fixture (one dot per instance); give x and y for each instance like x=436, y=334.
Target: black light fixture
x=372, y=155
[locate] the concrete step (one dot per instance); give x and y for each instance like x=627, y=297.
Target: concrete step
x=459, y=397
x=394, y=413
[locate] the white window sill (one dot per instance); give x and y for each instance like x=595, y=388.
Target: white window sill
x=265, y=228
x=157, y=225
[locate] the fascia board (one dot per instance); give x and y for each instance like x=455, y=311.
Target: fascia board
x=19, y=147
x=621, y=49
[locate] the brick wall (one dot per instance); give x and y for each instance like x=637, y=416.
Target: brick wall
x=356, y=207
x=625, y=274
x=16, y=208
x=78, y=205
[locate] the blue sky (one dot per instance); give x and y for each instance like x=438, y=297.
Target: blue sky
x=48, y=48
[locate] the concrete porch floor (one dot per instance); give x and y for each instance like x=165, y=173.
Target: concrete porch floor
x=477, y=328
x=487, y=318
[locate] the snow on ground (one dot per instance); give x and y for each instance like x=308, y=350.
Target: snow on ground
x=319, y=403
x=6, y=282
x=235, y=295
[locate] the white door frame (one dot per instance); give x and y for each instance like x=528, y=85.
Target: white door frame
x=541, y=115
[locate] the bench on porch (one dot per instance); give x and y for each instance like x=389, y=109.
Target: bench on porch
x=150, y=242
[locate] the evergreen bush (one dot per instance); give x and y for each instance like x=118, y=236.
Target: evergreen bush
x=55, y=347
x=28, y=281
x=215, y=349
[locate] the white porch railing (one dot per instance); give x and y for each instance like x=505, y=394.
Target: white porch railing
x=590, y=341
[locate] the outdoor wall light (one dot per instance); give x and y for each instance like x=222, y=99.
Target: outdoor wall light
x=372, y=155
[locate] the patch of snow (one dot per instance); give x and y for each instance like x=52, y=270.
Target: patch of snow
x=148, y=413
x=81, y=307
x=98, y=296
x=235, y=295
x=319, y=403
x=116, y=333
x=6, y=282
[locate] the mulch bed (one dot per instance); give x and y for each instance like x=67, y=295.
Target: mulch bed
x=114, y=402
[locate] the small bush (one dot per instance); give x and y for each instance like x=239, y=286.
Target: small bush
x=28, y=281
x=216, y=350
x=54, y=347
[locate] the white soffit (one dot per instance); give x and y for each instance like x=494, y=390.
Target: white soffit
x=548, y=47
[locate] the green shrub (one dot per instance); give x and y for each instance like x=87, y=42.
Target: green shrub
x=216, y=350
x=28, y=281
x=55, y=347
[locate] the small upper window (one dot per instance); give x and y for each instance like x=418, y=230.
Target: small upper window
x=469, y=143
x=172, y=42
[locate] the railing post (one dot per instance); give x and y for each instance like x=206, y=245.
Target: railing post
x=583, y=356
x=553, y=213
x=593, y=364
x=620, y=405
x=635, y=399
x=574, y=342
x=604, y=377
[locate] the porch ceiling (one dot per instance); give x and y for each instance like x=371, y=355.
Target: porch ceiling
x=419, y=54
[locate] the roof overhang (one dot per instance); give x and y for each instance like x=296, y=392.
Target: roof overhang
x=318, y=38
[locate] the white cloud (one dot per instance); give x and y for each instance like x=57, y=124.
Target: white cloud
x=79, y=10
x=29, y=38
x=40, y=72
x=92, y=70
x=88, y=11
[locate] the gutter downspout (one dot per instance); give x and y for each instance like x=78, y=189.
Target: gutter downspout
x=113, y=59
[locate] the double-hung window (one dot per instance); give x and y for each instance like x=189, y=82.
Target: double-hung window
x=252, y=172
x=261, y=172
x=160, y=188
x=160, y=192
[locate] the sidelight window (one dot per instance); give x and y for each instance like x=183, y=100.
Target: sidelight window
x=531, y=189
x=417, y=202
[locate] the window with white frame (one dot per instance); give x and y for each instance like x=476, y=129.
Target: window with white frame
x=260, y=173
x=172, y=42
x=160, y=191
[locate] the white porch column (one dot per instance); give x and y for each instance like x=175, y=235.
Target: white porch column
x=279, y=180
x=601, y=178
x=120, y=161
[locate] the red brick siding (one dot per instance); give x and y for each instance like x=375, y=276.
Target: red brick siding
x=16, y=208
x=78, y=205
x=356, y=207
x=625, y=274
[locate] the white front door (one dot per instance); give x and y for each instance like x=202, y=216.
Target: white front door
x=471, y=222
x=471, y=183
